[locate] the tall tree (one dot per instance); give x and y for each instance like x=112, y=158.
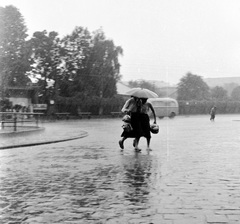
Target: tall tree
x=229, y=87
x=14, y=53
x=47, y=62
x=105, y=64
x=219, y=93
x=91, y=65
x=236, y=93
x=76, y=81
x=192, y=87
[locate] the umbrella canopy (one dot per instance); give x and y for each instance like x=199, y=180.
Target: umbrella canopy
x=141, y=93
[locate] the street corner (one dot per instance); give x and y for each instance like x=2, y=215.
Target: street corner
x=28, y=138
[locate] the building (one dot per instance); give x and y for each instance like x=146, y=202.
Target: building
x=22, y=96
x=122, y=88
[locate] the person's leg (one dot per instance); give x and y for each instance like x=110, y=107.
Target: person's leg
x=212, y=117
x=135, y=122
x=121, y=142
x=136, y=144
x=134, y=140
x=146, y=129
x=148, y=143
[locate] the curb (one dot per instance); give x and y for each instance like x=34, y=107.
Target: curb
x=27, y=131
x=84, y=134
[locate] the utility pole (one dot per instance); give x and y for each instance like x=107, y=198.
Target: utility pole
x=3, y=74
x=101, y=95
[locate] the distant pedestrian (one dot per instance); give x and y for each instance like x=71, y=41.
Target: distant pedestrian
x=213, y=113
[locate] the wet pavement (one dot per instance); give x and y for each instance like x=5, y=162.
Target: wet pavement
x=191, y=176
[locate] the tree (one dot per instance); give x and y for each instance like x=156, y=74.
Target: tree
x=47, y=62
x=14, y=53
x=229, y=87
x=105, y=64
x=76, y=80
x=91, y=66
x=236, y=93
x=192, y=87
x=219, y=93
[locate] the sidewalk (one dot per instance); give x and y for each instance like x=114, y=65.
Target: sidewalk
x=46, y=133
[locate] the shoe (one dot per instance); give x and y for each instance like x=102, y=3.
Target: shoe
x=137, y=150
x=121, y=144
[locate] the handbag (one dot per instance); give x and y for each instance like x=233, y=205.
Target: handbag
x=154, y=128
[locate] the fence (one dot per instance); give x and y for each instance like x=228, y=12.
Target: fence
x=15, y=118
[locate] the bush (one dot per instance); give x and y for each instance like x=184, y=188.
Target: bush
x=5, y=105
x=89, y=104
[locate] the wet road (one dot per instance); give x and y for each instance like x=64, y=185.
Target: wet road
x=191, y=176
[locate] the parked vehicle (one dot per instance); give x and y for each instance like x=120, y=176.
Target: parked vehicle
x=165, y=107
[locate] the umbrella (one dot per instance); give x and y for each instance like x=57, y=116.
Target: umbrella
x=142, y=93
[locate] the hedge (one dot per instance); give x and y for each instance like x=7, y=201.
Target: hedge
x=203, y=107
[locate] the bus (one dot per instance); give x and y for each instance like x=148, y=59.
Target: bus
x=164, y=107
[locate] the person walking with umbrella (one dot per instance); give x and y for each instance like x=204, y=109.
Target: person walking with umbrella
x=139, y=120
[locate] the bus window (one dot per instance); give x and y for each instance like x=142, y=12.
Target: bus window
x=158, y=103
x=170, y=104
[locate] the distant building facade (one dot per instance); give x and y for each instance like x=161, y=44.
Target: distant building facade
x=22, y=96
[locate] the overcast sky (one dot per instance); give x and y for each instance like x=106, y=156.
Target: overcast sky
x=161, y=39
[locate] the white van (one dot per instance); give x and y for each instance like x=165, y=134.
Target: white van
x=165, y=107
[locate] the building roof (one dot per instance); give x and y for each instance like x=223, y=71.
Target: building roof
x=122, y=88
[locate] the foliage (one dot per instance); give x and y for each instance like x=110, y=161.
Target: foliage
x=75, y=59
x=89, y=104
x=229, y=87
x=96, y=69
x=236, y=93
x=218, y=93
x=14, y=53
x=46, y=62
x=5, y=104
x=104, y=64
x=192, y=87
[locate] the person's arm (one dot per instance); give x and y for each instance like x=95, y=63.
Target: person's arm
x=153, y=111
x=126, y=106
